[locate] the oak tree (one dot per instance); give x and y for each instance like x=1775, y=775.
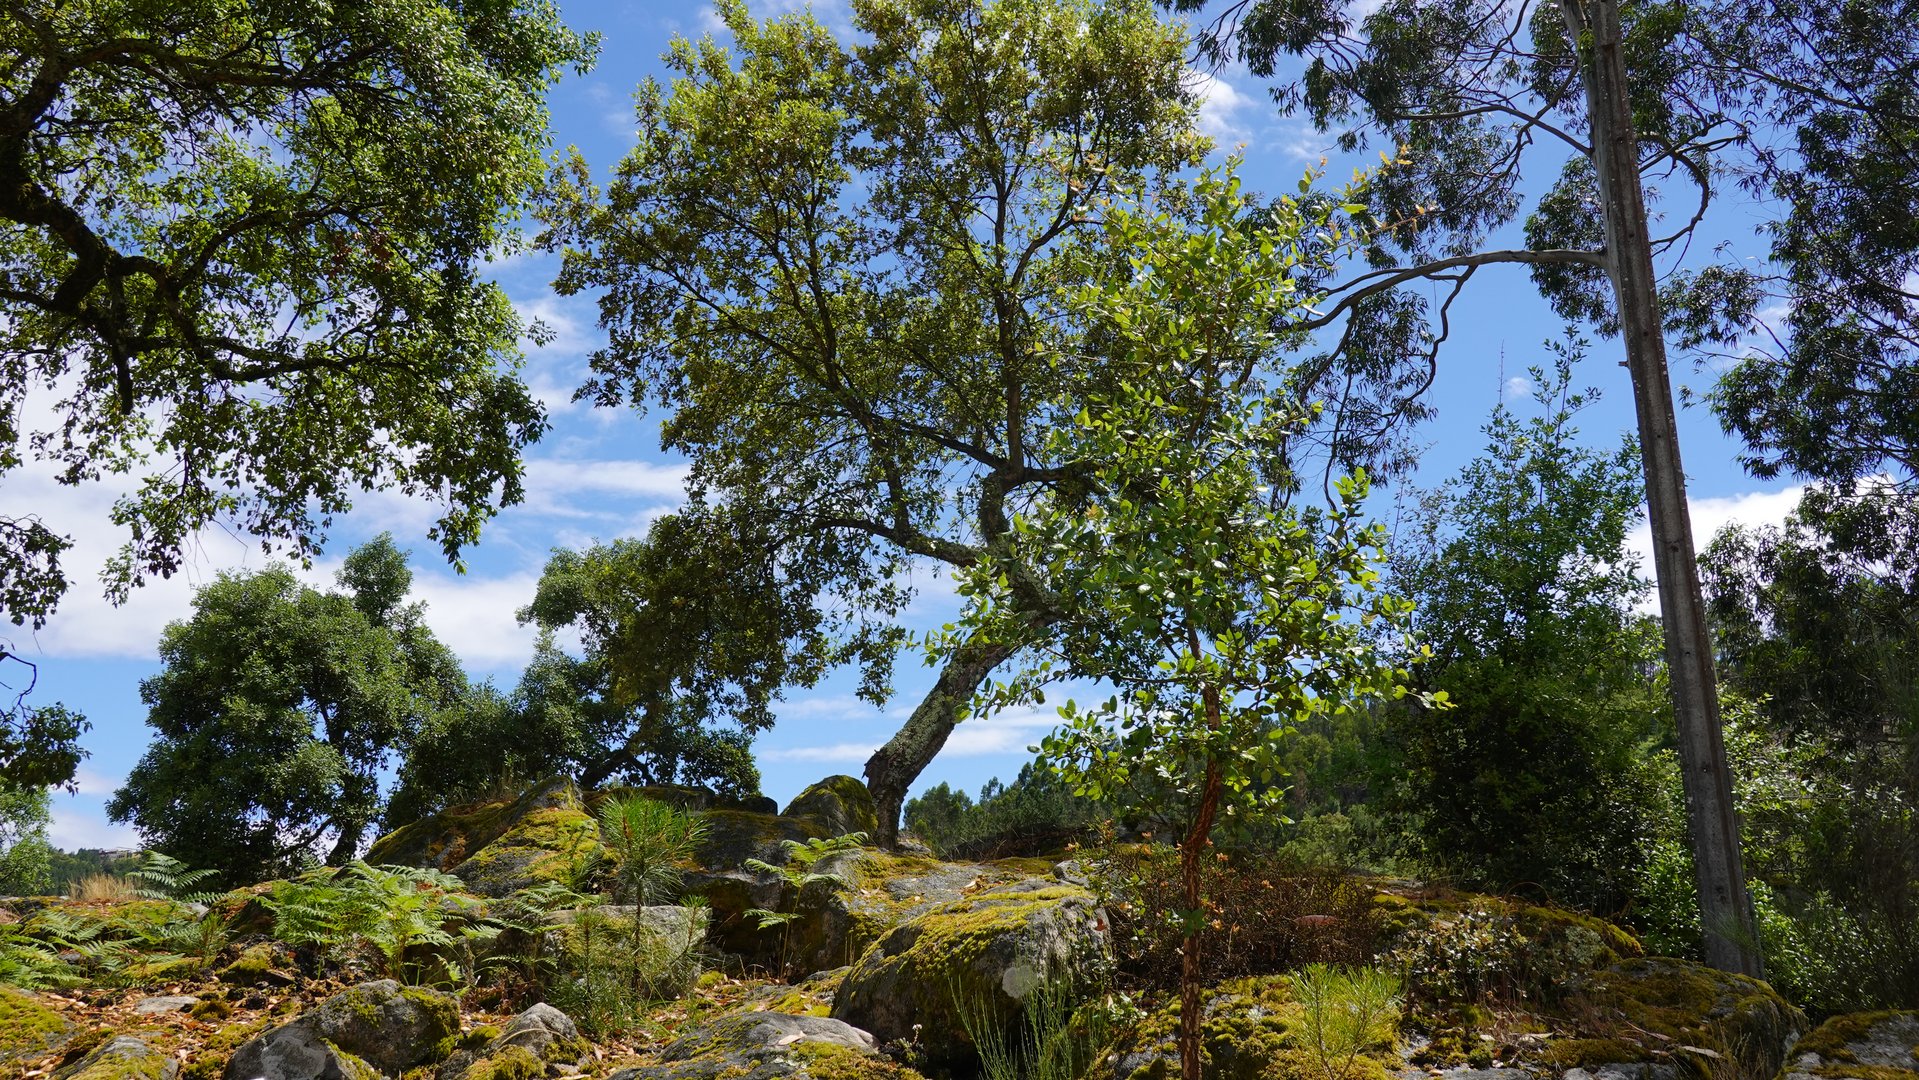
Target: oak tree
x=241, y=264
x=838, y=265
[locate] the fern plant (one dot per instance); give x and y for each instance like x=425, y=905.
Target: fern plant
x=801, y=857
x=162, y=877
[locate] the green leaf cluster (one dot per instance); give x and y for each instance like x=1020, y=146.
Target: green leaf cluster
x=241, y=252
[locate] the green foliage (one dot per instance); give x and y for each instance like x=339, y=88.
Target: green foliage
x=1224, y=619
x=26, y=859
x=1815, y=623
x=1526, y=594
x=1037, y=814
x=649, y=842
x=247, y=244
x=384, y=911
x=1348, y=1011
x=835, y=266
x=39, y=745
x=612, y=967
x=1059, y=1035
x=796, y=874
x=274, y=712
x=162, y=877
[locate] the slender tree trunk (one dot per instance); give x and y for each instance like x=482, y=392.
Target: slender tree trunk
x=1191, y=851
x=1725, y=908
x=893, y=767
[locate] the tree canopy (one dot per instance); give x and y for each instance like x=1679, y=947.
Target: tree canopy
x=276, y=709
x=840, y=268
x=240, y=255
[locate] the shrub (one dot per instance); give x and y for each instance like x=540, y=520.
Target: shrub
x=1266, y=915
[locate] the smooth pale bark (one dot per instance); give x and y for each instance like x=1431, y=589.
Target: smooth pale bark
x=893, y=767
x=1725, y=907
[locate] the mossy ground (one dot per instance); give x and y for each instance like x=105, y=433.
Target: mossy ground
x=28, y=1028
x=1835, y=1041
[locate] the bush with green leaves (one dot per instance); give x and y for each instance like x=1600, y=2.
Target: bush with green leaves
x=1527, y=595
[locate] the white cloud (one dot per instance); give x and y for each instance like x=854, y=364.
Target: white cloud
x=1517, y=387
x=96, y=784
x=1009, y=732
x=1220, y=104
x=1709, y=515
x=72, y=829
x=831, y=754
x=475, y=616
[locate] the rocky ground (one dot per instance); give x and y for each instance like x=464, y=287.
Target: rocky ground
x=878, y=966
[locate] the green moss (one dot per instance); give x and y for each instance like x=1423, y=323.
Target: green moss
x=511, y=1063
x=1831, y=1039
x=28, y=1028
x=356, y=1069
x=249, y=967
x=826, y=1061
x=541, y=847
x=1245, y=1031
x=1026, y=867
x=210, y=1063
x=478, y=1037
x=1675, y=1004
x=210, y=1008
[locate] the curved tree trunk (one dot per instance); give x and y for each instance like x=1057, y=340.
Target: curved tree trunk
x=1725, y=908
x=893, y=767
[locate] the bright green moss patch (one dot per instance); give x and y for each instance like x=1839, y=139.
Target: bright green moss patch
x=826, y=1061
x=511, y=1063
x=29, y=1029
x=1865, y=1046
x=210, y=1062
x=249, y=967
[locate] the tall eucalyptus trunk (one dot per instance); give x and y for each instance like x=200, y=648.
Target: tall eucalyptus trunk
x=1725, y=907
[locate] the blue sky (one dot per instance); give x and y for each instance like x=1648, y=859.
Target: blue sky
x=599, y=474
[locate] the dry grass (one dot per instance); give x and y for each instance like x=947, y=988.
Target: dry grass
x=101, y=887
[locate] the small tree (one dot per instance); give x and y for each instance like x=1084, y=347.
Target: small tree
x=1223, y=618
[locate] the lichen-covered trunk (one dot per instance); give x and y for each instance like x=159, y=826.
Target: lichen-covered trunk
x=893, y=767
x=1724, y=905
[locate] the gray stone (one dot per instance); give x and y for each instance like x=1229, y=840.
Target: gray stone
x=122, y=1058
x=374, y=1028
x=994, y=948
x=171, y=1003
x=748, y=1046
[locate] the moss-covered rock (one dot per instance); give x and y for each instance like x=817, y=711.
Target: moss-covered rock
x=122, y=1058
x=730, y=888
x=763, y=1045
x=1252, y=1029
x=865, y=894
x=385, y=1027
x=1460, y=946
x=449, y=838
x=1858, y=1046
x=989, y=950
x=265, y=962
x=548, y=844
x=521, y=1050
x=29, y=1029
x=839, y=804
x=1660, y=1016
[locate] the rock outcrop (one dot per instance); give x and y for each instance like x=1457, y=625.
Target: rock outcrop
x=29, y=1029
x=989, y=951
x=839, y=805
x=375, y=1028
x=1858, y=1046
x=764, y=1045
x=497, y=848
x=122, y=1057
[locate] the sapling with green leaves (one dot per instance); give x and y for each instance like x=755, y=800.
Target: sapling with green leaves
x=1223, y=616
